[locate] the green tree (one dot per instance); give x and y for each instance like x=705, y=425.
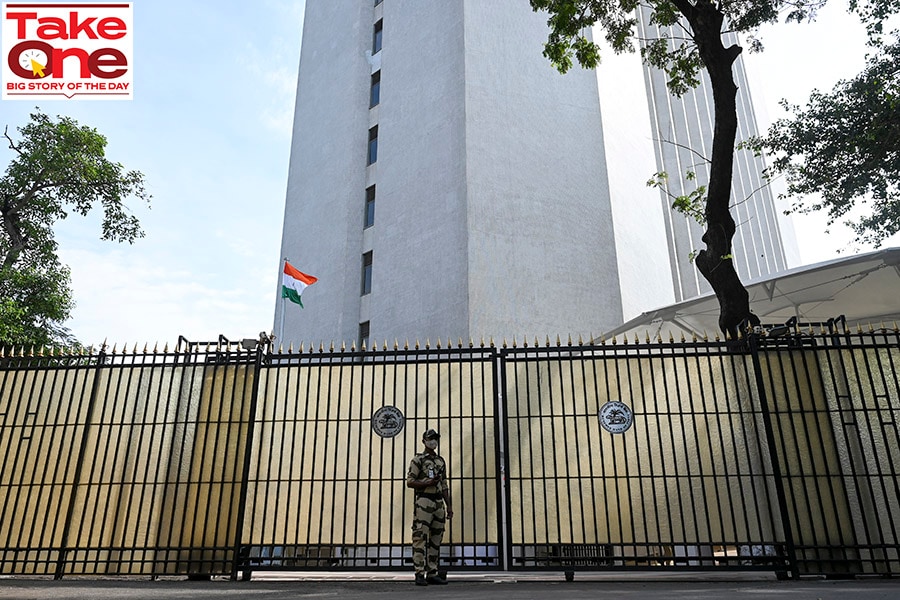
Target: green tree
x=57, y=167
x=843, y=148
x=694, y=38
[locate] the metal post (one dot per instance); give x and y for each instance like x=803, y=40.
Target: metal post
x=248, y=455
x=774, y=457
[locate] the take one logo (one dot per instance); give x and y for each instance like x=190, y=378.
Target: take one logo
x=616, y=417
x=67, y=50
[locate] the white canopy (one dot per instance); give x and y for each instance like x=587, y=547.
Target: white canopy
x=864, y=288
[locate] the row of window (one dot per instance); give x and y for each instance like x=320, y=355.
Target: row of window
x=371, y=157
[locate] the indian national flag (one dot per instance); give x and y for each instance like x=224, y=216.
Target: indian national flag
x=293, y=282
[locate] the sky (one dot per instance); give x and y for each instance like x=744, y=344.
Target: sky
x=210, y=128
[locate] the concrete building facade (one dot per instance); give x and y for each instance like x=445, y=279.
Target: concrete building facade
x=446, y=182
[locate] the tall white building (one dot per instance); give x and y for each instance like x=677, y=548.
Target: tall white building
x=446, y=182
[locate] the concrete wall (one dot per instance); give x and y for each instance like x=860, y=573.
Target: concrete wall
x=542, y=255
x=419, y=236
x=642, y=251
x=323, y=220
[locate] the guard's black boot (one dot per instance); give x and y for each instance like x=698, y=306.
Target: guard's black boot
x=436, y=580
x=420, y=579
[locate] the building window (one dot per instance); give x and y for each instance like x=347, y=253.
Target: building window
x=367, y=274
x=373, y=145
x=364, y=334
x=375, y=93
x=376, y=38
x=370, y=207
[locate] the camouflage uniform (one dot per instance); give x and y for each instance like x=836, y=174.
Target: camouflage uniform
x=429, y=512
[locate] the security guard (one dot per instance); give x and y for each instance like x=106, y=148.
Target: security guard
x=428, y=477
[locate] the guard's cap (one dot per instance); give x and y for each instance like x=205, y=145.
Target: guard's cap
x=431, y=434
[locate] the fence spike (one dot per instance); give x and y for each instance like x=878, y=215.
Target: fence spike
x=491, y=342
x=504, y=342
x=438, y=343
x=417, y=343
x=40, y=351
x=717, y=337
x=146, y=344
x=693, y=336
x=471, y=343
x=321, y=346
x=524, y=341
x=671, y=337
x=895, y=327
x=383, y=345
x=871, y=329
x=569, y=341
x=602, y=340
x=740, y=334
x=2, y=352
x=547, y=341
x=858, y=328
x=427, y=343
x=637, y=340
x=449, y=342
x=613, y=341
x=482, y=342
x=406, y=344
x=537, y=343
x=396, y=344
x=114, y=348
x=580, y=340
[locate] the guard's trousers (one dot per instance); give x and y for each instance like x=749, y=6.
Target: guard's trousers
x=428, y=531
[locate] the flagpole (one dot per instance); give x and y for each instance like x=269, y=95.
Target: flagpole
x=281, y=331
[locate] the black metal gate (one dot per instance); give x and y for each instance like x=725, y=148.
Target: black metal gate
x=684, y=482
x=761, y=454
x=326, y=491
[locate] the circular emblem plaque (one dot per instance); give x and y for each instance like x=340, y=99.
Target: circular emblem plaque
x=387, y=421
x=616, y=417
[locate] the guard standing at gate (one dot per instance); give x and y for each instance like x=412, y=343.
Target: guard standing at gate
x=427, y=475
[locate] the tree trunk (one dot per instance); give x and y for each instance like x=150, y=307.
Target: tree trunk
x=715, y=262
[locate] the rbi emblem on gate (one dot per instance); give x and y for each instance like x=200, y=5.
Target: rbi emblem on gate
x=616, y=417
x=387, y=421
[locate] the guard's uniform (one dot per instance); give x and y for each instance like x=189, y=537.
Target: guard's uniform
x=429, y=512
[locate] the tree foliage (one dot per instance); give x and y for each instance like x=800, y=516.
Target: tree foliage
x=57, y=167
x=693, y=37
x=842, y=150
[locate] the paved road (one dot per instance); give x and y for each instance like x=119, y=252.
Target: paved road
x=485, y=588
